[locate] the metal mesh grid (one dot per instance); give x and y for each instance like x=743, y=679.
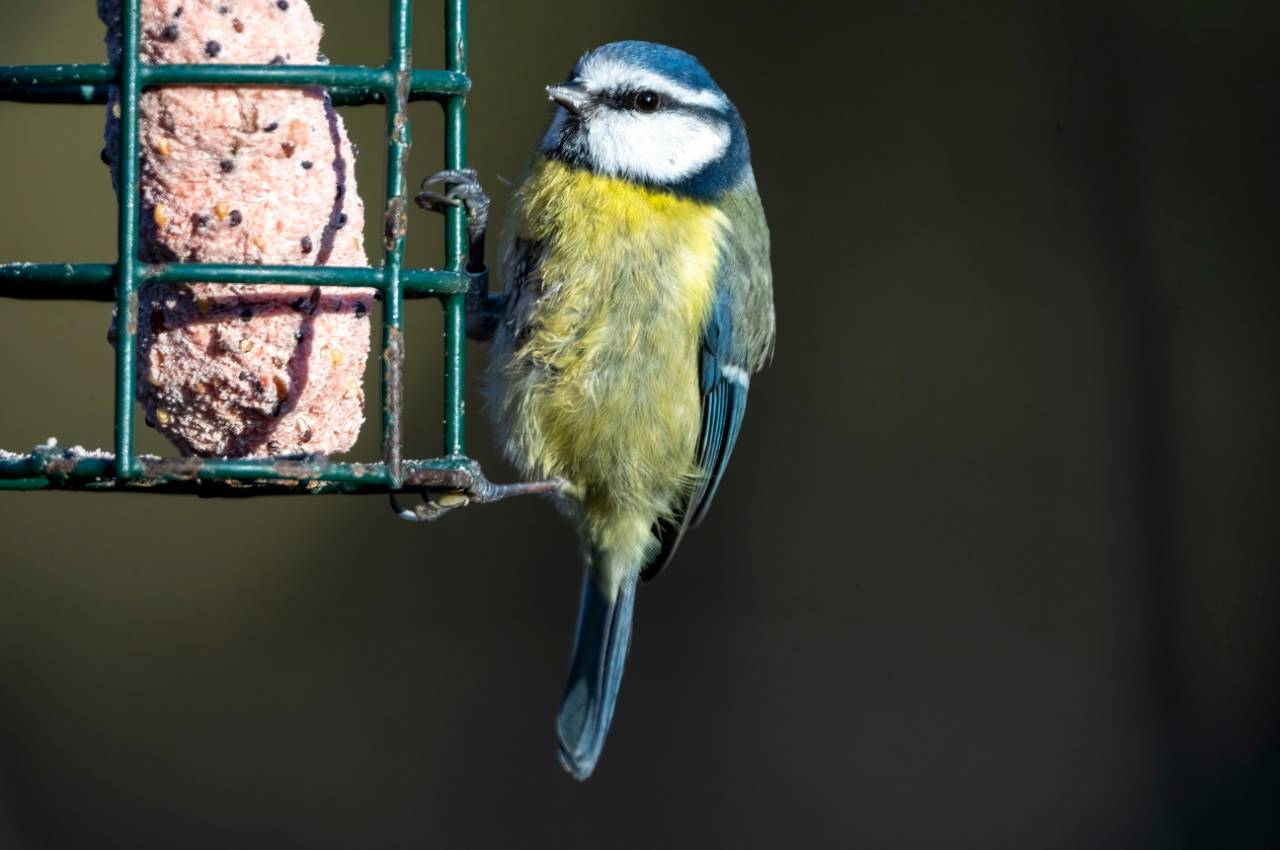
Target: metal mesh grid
x=395, y=84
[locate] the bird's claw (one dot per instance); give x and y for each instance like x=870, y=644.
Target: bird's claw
x=461, y=189
x=433, y=506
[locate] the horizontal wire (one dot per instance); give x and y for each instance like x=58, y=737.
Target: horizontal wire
x=96, y=281
x=53, y=468
x=349, y=85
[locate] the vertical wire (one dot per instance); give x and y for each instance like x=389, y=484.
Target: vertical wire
x=455, y=157
x=127, y=263
x=399, y=140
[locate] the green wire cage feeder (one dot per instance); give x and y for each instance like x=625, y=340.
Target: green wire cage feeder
x=394, y=84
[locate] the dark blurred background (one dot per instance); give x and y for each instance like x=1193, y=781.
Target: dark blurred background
x=995, y=564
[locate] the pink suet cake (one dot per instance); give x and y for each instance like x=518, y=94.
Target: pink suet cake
x=254, y=175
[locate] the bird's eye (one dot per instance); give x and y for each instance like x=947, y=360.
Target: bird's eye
x=646, y=101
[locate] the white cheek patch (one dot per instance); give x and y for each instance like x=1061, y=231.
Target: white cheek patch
x=662, y=147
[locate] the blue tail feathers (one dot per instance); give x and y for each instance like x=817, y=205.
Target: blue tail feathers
x=595, y=673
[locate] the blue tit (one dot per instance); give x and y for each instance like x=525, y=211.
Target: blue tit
x=638, y=302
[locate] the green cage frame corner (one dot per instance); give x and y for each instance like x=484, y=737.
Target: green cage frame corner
x=394, y=84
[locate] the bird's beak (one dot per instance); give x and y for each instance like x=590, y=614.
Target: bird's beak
x=572, y=96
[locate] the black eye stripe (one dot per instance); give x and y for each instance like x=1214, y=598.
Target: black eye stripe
x=640, y=100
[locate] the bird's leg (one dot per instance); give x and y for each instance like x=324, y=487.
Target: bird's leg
x=453, y=489
x=463, y=189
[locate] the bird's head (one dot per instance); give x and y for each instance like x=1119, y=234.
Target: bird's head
x=650, y=114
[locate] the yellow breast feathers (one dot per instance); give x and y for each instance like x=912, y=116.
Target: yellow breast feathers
x=602, y=383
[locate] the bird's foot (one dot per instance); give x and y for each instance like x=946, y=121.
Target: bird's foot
x=468, y=488
x=461, y=189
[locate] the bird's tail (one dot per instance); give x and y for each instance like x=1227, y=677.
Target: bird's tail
x=595, y=673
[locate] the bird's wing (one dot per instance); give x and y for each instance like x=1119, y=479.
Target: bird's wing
x=737, y=341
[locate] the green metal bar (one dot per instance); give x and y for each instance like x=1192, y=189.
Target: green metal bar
x=420, y=281
x=399, y=141
x=350, y=85
x=53, y=468
x=33, y=76
x=455, y=156
x=96, y=281
x=127, y=224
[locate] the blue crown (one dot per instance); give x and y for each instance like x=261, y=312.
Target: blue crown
x=675, y=64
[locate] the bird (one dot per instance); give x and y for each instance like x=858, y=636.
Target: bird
x=637, y=302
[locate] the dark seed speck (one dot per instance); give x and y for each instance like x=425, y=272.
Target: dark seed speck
x=272, y=127
x=339, y=221
x=212, y=49
x=227, y=166
x=170, y=33
x=306, y=165
x=321, y=58
x=306, y=244
x=222, y=10
x=282, y=5
x=246, y=313
x=360, y=310
x=277, y=60
x=236, y=218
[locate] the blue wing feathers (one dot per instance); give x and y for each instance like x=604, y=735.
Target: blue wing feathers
x=716, y=460
x=724, y=403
